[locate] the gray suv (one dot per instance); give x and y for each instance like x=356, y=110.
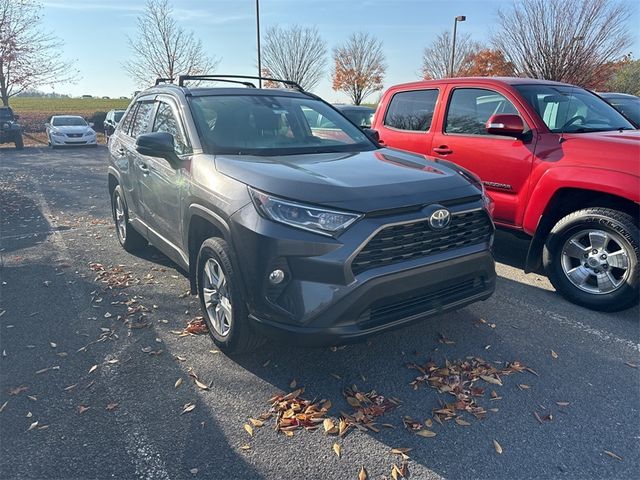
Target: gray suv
x=312, y=235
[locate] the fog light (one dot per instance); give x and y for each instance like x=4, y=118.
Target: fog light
x=276, y=276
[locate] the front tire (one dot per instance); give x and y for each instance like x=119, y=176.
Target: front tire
x=591, y=258
x=128, y=236
x=222, y=300
x=19, y=142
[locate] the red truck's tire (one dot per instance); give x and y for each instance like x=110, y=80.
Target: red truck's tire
x=591, y=258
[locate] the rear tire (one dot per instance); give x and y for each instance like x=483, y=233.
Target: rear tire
x=128, y=236
x=591, y=258
x=222, y=299
x=19, y=142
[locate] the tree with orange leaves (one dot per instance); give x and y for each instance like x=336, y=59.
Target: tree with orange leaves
x=487, y=63
x=359, y=67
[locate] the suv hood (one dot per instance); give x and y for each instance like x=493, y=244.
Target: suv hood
x=361, y=181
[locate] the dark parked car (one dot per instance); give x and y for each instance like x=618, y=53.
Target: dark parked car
x=10, y=129
x=286, y=230
x=628, y=105
x=111, y=122
x=360, y=115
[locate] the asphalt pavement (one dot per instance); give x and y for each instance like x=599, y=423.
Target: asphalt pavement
x=91, y=356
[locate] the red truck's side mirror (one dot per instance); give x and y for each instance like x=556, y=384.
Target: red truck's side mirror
x=505, y=124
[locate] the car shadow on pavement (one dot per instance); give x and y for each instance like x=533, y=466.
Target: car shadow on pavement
x=22, y=224
x=104, y=406
x=510, y=249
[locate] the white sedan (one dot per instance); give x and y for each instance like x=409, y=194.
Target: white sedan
x=70, y=130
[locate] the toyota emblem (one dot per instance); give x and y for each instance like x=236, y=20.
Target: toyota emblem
x=440, y=219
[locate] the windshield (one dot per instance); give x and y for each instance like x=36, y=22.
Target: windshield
x=118, y=116
x=5, y=114
x=68, y=122
x=573, y=109
x=274, y=125
x=362, y=118
x=629, y=107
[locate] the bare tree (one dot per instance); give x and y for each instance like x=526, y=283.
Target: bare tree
x=295, y=53
x=29, y=56
x=563, y=40
x=164, y=49
x=436, y=58
x=359, y=67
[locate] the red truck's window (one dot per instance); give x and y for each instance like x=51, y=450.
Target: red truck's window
x=470, y=108
x=412, y=110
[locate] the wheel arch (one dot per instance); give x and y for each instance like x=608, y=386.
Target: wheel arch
x=564, y=201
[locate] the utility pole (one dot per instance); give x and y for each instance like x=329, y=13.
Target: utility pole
x=459, y=18
x=258, y=38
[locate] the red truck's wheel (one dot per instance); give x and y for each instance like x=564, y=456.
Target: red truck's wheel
x=591, y=258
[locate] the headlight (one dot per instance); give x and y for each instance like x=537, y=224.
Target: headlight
x=57, y=134
x=89, y=133
x=318, y=220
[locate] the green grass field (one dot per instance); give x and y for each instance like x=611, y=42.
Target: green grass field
x=35, y=111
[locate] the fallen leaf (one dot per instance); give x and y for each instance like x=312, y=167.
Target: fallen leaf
x=632, y=365
x=462, y=422
x=256, y=423
x=92, y=369
x=336, y=376
x=426, y=433
x=70, y=387
x=188, y=407
x=178, y=383
x=535, y=414
x=17, y=390
x=342, y=427
x=328, y=425
x=35, y=424
x=498, y=448
x=266, y=364
x=249, y=429
x=112, y=406
x=201, y=385
x=194, y=471
x=362, y=474
x=611, y=454
x=293, y=383
x=32, y=397
x=562, y=404
x=245, y=447
x=53, y=345
x=492, y=380
x=177, y=357
x=554, y=354
x=336, y=448
x=112, y=361
x=3, y=406
x=524, y=386
x=400, y=451
x=82, y=408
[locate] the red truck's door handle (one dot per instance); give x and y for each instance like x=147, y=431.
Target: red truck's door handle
x=442, y=150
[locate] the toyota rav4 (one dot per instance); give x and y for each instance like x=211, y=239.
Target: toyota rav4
x=315, y=235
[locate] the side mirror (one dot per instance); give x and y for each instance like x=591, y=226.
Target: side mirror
x=16, y=116
x=158, y=144
x=372, y=134
x=509, y=125
x=47, y=125
x=91, y=124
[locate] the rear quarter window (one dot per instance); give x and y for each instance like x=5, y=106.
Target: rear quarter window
x=412, y=110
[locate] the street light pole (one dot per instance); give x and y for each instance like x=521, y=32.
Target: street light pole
x=258, y=38
x=459, y=18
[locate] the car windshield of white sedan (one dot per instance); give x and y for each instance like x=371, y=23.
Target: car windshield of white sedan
x=566, y=109
x=68, y=122
x=274, y=125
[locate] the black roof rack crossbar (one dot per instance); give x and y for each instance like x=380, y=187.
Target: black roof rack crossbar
x=220, y=78
x=163, y=80
x=213, y=78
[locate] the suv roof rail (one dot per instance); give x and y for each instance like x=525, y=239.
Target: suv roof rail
x=222, y=78
x=163, y=80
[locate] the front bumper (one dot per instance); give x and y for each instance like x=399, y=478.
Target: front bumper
x=322, y=302
x=71, y=141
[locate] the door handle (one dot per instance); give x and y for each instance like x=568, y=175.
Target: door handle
x=443, y=150
x=143, y=168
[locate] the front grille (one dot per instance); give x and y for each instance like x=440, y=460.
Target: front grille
x=413, y=240
x=74, y=135
x=387, y=311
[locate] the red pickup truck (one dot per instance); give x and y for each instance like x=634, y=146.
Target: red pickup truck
x=561, y=165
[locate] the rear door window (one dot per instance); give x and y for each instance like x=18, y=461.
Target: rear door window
x=412, y=110
x=125, y=125
x=470, y=108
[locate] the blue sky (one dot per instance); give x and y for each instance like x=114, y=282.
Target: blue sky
x=95, y=32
